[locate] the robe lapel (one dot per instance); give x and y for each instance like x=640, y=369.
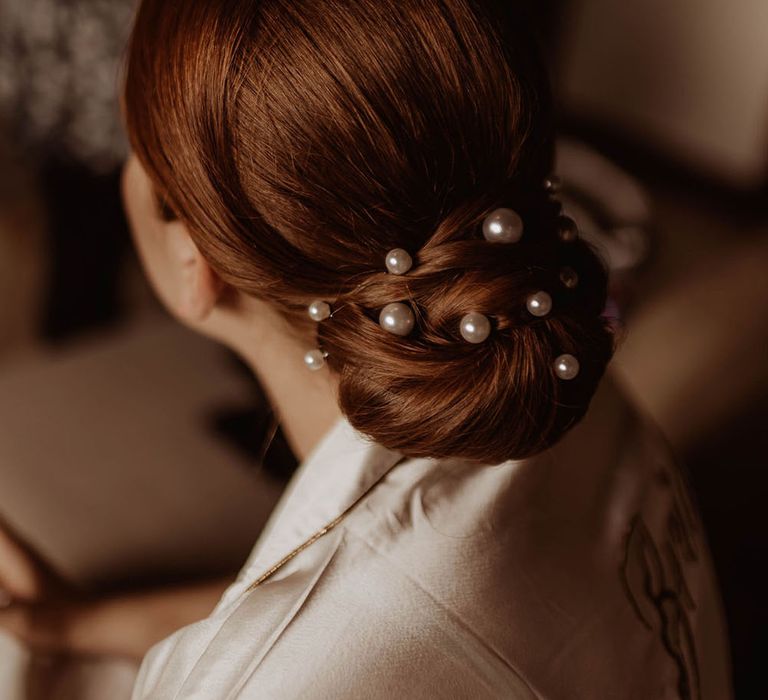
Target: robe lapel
x=342, y=468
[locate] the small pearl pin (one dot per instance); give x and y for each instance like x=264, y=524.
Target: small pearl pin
x=319, y=310
x=569, y=277
x=539, y=304
x=474, y=327
x=553, y=184
x=315, y=359
x=398, y=261
x=566, y=366
x=568, y=230
x=503, y=226
x=397, y=318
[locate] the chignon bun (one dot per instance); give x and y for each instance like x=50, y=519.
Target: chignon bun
x=432, y=393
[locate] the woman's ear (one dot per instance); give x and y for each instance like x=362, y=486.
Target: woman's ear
x=198, y=286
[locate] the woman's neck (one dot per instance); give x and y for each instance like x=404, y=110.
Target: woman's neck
x=304, y=401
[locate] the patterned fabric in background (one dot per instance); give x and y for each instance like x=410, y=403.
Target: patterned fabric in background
x=60, y=63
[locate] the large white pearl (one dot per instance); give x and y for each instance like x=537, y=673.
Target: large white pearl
x=566, y=366
x=315, y=359
x=474, y=327
x=503, y=226
x=397, y=318
x=398, y=261
x=539, y=304
x=319, y=310
x=569, y=231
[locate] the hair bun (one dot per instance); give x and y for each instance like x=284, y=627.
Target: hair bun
x=435, y=394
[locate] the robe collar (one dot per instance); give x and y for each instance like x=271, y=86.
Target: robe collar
x=338, y=472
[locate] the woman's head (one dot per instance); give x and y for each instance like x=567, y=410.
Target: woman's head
x=298, y=141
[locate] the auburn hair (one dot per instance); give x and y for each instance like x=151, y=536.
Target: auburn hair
x=300, y=140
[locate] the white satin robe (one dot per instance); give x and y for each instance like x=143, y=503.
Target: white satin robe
x=580, y=573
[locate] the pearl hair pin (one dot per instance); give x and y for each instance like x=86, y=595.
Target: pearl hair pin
x=569, y=231
x=319, y=310
x=539, y=304
x=566, y=366
x=553, y=184
x=569, y=277
x=397, y=318
x=398, y=261
x=503, y=226
x=474, y=327
x=315, y=359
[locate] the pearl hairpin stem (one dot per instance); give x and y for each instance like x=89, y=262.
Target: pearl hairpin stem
x=474, y=327
x=315, y=359
x=397, y=318
x=539, y=304
x=566, y=366
x=503, y=226
x=319, y=310
x=398, y=261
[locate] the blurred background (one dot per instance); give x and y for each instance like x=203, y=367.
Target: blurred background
x=663, y=152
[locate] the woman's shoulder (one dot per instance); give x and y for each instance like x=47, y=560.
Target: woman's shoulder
x=339, y=620
x=597, y=539
x=477, y=580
